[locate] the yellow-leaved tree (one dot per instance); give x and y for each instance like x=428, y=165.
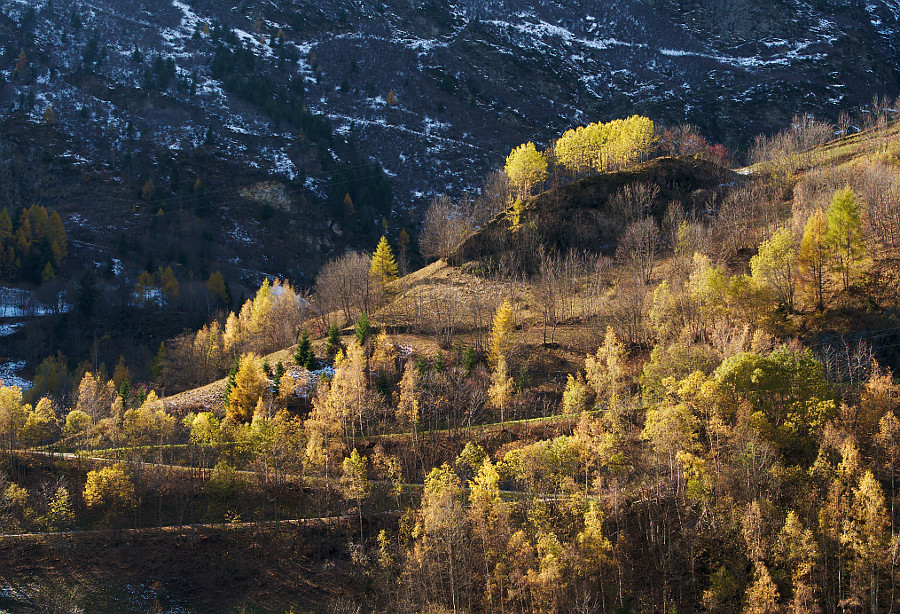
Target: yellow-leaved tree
x=501, y=333
x=526, y=167
x=249, y=385
x=383, y=267
x=110, y=489
x=812, y=261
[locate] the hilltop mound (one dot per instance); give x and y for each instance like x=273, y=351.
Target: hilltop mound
x=585, y=215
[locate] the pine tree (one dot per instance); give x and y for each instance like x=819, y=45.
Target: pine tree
x=391, y=98
x=333, y=343
x=304, y=356
x=363, y=329
x=383, y=267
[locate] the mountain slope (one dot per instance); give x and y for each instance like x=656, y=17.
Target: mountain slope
x=471, y=78
x=586, y=215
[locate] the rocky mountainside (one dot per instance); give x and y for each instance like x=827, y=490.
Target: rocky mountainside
x=436, y=93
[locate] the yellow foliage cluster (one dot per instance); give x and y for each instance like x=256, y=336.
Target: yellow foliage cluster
x=601, y=146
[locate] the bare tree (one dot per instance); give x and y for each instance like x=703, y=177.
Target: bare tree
x=879, y=187
x=496, y=196
x=344, y=285
x=638, y=248
x=446, y=224
x=633, y=202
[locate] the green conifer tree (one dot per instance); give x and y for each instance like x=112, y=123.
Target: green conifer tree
x=304, y=356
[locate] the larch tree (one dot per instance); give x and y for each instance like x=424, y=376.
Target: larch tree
x=438, y=555
x=501, y=333
x=845, y=236
x=407, y=412
x=383, y=267
x=502, y=387
x=216, y=288
x=349, y=394
x=13, y=414
x=814, y=257
x=250, y=384
x=526, y=167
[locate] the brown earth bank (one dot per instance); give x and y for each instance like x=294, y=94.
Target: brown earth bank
x=303, y=567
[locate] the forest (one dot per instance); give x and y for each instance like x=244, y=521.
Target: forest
x=629, y=378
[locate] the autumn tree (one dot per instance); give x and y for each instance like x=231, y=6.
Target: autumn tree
x=216, y=288
x=814, y=256
x=599, y=147
x=774, y=268
x=250, y=383
x=575, y=395
x=605, y=370
x=40, y=423
x=866, y=537
x=797, y=553
x=845, y=236
x=355, y=483
x=439, y=549
x=13, y=414
x=60, y=510
x=502, y=388
x=526, y=167
x=501, y=333
x=111, y=490
x=95, y=395
x=488, y=517
x=383, y=267
x=762, y=595
x=445, y=225
x=407, y=412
